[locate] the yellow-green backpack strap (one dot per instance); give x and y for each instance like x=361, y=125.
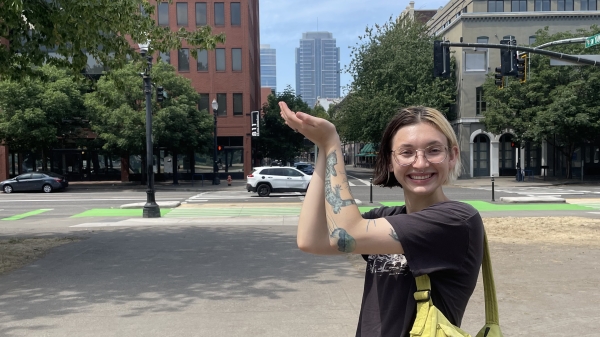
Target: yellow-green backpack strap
x=423, y=298
x=492, y=320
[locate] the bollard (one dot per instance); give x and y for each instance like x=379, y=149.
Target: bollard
x=493, y=188
x=371, y=190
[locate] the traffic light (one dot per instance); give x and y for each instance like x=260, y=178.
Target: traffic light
x=512, y=144
x=220, y=148
x=498, y=78
x=522, y=68
x=441, y=60
x=255, y=123
x=160, y=94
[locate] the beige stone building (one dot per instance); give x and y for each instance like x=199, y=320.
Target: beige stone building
x=489, y=21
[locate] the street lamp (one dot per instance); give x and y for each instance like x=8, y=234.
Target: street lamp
x=151, y=209
x=216, y=181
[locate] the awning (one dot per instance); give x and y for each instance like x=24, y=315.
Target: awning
x=369, y=150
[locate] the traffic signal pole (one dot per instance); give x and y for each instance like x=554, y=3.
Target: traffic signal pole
x=566, y=57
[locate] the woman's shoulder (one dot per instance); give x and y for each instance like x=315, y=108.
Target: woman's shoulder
x=384, y=211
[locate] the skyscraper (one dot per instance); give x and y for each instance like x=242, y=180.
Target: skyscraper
x=268, y=67
x=317, y=67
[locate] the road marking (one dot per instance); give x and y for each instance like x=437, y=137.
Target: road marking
x=80, y=199
x=24, y=215
x=362, y=181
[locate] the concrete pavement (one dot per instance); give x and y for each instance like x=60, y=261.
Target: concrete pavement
x=246, y=277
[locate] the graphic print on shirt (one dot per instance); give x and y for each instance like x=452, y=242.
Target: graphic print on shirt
x=392, y=264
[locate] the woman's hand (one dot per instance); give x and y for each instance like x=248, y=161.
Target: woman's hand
x=318, y=130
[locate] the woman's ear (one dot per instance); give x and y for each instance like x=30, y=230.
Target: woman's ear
x=453, y=154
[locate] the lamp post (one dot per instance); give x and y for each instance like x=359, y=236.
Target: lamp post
x=216, y=181
x=151, y=209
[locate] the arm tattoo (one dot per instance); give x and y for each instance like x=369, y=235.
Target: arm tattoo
x=394, y=235
x=369, y=222
x=332, y=194
x=345, y=242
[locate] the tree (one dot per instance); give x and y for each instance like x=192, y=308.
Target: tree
x=69, y=29
x=558, y=105
x=37, y=114
x=277, y=140
x=118, y=111
x=393, y=67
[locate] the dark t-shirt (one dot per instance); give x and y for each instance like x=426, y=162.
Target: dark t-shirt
x=445, y=241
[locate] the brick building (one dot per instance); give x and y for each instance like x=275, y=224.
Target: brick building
x=230, y=74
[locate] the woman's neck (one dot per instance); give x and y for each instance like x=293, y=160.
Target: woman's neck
x=416, y=202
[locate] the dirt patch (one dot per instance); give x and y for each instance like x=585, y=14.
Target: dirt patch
x=18, y=252
x=551, y=230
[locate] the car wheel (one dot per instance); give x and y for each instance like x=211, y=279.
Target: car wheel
x=263, y=190
x=47, y=188
x=8, y=189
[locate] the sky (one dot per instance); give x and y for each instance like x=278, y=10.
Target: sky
x=282, y=23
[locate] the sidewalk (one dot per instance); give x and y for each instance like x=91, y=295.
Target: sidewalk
x=234, y=278
x=183, y=185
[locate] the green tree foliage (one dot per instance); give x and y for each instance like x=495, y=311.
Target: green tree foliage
x=38, y=113
x=70, y=28
x=277, y=140
x=558, y=104
x=391, y=67
x=118, y=109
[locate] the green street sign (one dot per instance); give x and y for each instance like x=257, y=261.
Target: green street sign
x=592, y=40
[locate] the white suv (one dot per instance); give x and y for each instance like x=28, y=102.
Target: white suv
x=265, y=180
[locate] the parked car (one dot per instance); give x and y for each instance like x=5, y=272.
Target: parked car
x=307, y=168
x=35, y=181
x=265, y=180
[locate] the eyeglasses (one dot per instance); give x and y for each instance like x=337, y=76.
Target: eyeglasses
x=434, y=154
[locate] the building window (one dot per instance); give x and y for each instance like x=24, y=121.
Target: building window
x=202, y=60
x=203, y=103
x=236, y=14
x=495, y=5
x=183, y=60
x=222, y=101
x=219, y=13
x=165, y=57
x=589, y=5
x=476, y=61
x=220, y=59
x=518, y=6
x=163, y=14
x=236, y=59
x=201, y=14
x=532, y=40
x=565, y=5
x=238, y=105
x=479, y=102
x=483, y=39
x=182, y=15
x=542, y=5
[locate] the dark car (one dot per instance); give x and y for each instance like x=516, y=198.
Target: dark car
x=35, y=181
x=307, y=168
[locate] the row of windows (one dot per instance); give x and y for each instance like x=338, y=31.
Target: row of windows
x=485, y=39
x=235, y=14
x=542, y=5
x=238, y=104
x=183, y=59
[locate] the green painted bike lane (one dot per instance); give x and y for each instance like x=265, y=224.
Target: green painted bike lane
x=261, y=210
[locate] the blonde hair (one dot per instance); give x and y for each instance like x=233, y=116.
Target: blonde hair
x=411, y=116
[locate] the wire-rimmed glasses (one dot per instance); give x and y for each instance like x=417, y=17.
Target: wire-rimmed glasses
x=434, y=154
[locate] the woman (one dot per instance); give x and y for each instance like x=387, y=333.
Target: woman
x=429, y=235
